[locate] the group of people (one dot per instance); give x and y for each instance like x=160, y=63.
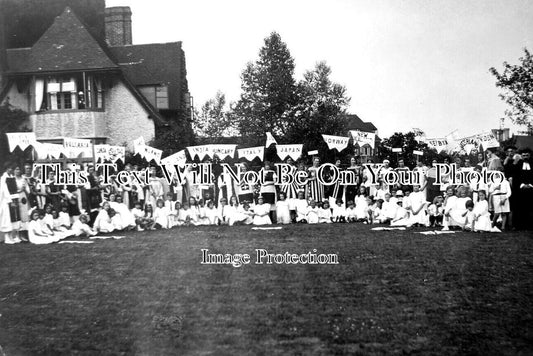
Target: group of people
x=45, y=212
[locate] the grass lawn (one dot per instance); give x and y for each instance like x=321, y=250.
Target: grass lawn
x=393, y=292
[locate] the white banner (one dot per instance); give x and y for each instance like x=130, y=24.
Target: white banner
x=47, y=150
x=363, y=138
x=453, y=142
x=336, y=142
x=138, y=145
x=221, y=151
x=119, y=153
x=101, y=153
x=200, y=151
x=487, y=140
x=20, y=139
x=251, y=152
x=76, y=146
x=270, y=140
x=292, y=151
x=179, y=158
x=438, y=144
x=151, y=153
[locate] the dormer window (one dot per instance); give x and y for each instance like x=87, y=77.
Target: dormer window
x=69, y=92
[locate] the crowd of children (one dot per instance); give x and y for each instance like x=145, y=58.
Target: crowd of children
x=49, y=212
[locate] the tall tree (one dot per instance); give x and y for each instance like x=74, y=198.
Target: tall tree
x=321, y=108
x=213, y=120
x=268, y=91
x=517, y=83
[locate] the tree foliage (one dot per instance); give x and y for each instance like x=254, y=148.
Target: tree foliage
x=213, y=120
x=517, y=83
x=268, y=91
x=11, y=120
x=320, y=109
x=408, y=143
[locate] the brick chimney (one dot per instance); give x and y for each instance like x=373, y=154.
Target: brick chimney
x=118, y=25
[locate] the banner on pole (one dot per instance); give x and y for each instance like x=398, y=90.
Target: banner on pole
x=270, y=140
x=20, y=139
x=292, y=151
x=76, y=146
x=336, y=142
x=363, y=138
x=251, y=153
x=179, y=158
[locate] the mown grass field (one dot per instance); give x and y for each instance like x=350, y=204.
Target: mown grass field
x=393, y=293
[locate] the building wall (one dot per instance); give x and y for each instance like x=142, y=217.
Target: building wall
x=77, y=123
x=126, y=119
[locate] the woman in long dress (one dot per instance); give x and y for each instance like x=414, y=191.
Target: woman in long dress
x=268, y=189
x=315, y=188
x=23, y=198
x=8, y=209
x=352, y=189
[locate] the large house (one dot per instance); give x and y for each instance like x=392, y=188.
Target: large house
x=365, y=152
x=74, y=84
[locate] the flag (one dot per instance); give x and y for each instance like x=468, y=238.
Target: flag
x=270, y=140
x=292, y=151
x=75, y=146
x=138, y=145
x=178, y=158
x=336, y=142
x=21, y=139
x=363, y=138
x=251, y=152
x=119, y=153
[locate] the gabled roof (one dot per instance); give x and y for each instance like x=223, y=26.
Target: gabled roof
x=153, y=64
x=355, y=123
x=65, y=46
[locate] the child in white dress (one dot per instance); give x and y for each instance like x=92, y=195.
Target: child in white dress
x=481, y=213
x=283, y=214
x=402, y=215
x=351, y=213
x=324, y=214
x=312, y=212
x=262, y=212
x=500, y=194
x=81, y=227
x=339, y=212
x=417, y=207
x=161, y=214
x=212, y=214
x=469, y=216
x=102, y=223
x=36, y=235
x=301, y=208
x=436, y=212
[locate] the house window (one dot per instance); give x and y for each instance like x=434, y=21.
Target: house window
x=69, y=92
x=156, y=95
x=61, y=93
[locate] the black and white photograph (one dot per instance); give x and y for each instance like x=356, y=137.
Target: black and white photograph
x=232, y=177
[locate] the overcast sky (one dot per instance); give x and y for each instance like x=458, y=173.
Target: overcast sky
x=411, y=63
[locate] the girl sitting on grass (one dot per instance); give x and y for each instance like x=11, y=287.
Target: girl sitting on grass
x=161, y=215
x=324, y=214
x=211, y=214
x=81, y=227
x=36, y=234
x=103, y=223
